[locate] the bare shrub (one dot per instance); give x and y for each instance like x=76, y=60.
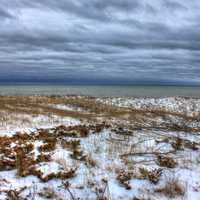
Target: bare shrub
x=14, y=194
x=101, y=192
x=48, y=193
x=59, y=175
x=166, y=161
x=178, y=144
x=67, y=185
x=153, y=175
x=89, y=161
x=20, y=157
x=172, y=188
x=123, y=177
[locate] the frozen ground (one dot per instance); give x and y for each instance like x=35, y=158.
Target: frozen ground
x=115, y=155
x=11, y=123
x=188, y=106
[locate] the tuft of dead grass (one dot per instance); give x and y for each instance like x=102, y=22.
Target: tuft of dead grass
x=48, y=193
x=59, y=175
x=124, y=177
x=172, y=188
x=166, y=161
x=152, y=175
x=178, y=144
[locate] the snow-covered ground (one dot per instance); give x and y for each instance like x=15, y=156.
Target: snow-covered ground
x=11, y=123
x=100, y=177
x=188, y=106
x=66, y=158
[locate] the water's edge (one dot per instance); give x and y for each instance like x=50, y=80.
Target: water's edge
x=101, y=91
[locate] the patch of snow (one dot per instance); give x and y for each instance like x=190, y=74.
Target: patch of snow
x=66, y=107
x=62, y=157
x=35, y=151
x=188, y=106
x=49, y=167
x=29, y=123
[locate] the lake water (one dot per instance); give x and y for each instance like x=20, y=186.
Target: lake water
x=137, y=91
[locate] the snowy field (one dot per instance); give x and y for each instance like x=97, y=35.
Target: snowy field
x=187, y=106
x=70, y=148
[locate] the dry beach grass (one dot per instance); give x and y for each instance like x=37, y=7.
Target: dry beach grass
x=105, y=152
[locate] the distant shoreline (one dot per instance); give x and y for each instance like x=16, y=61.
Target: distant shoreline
x=93, y=85
x=100, y=91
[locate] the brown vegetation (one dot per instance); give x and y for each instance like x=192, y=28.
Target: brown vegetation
x=123, y=177
x=166, y=161
x=152, y=175
x=125, y=124
x=36, y=105
x=172, y=188
x=20, y=157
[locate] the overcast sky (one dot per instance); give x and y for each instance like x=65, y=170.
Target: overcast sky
x=116, y=41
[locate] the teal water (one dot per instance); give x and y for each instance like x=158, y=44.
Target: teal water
x=99, y=91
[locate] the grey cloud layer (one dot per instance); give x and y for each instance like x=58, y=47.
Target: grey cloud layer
x=100, y=39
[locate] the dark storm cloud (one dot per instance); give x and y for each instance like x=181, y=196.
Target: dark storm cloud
x=122, y=40
x=4, y=13
x=173, y=5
